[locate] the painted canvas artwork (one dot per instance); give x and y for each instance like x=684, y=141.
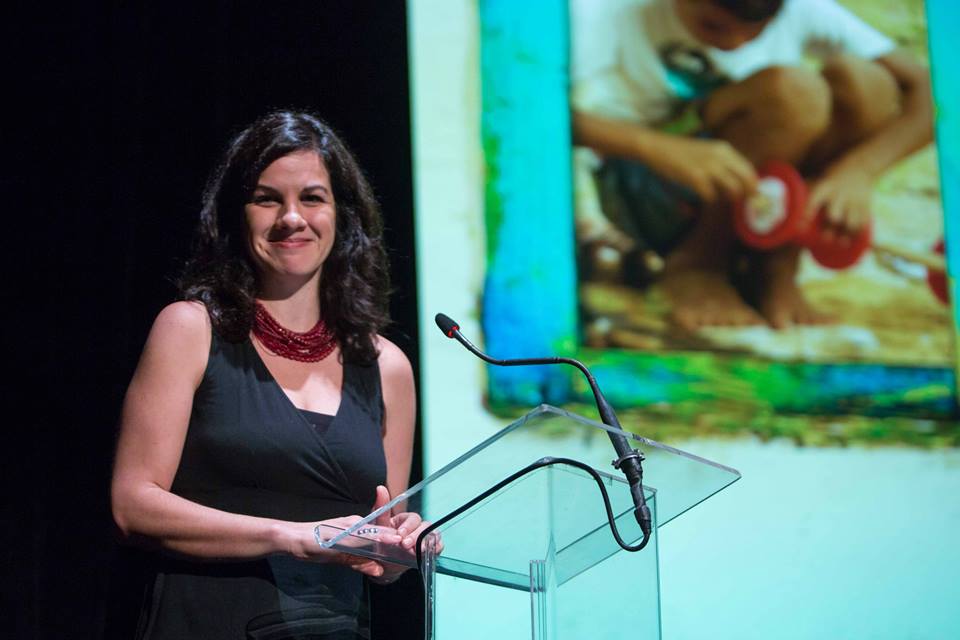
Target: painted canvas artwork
x=855, y=344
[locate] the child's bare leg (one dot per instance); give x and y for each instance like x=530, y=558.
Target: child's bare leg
x=865, y=97
x=778, y=113
x=696, y=276
x=775, y=114
x=780, y=300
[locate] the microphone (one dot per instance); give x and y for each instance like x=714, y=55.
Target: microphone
x=628, y=461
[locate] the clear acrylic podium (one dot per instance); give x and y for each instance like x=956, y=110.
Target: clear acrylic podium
x=537, y=557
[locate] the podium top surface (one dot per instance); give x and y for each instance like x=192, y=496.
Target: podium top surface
x=554, y=511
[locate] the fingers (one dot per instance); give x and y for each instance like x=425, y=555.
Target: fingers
x=417, y=527
x=735, y=184
x=857, y=217
x=406, y=523
x=844, y=198
x=844, y=213
x=723, y=173
x=361, y=564
x=411, y=539
x=836, y=209
x=737, y=165
x=365, y=566
x=381, y=500
x=409, y=527
x=704, y=187
x=390, y=573
x=815, y=201
x=854, y=212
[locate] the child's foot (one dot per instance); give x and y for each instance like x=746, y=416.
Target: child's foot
x=781, y=302
x=785, y=306
x=703, y=298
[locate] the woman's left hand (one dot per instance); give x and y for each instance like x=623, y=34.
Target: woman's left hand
x=408, y=526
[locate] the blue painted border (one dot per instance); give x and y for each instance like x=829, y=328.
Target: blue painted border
x=943, y=25
x=530, y=298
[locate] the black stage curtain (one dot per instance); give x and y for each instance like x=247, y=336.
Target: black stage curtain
x=114, y=113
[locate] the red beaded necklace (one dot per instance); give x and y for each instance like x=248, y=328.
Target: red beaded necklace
x=311, y=346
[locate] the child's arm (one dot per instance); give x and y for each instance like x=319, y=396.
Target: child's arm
x=846, y=185
x=711, y=168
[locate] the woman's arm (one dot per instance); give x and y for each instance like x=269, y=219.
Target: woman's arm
x=399, y=420
x=153, y=428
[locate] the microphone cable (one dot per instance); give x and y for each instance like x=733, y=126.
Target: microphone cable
x=628, y=461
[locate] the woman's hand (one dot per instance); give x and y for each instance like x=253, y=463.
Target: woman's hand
x=403, y=529
x=407, y=525
x=305, y=540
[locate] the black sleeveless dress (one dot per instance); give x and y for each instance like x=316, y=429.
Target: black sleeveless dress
x=249, y=450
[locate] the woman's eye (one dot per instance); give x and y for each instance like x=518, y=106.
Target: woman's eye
x=263, y=199
x=313, y=199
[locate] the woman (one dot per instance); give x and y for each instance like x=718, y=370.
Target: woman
x=265, y=404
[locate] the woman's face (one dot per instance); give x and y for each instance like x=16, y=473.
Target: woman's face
x=291, y=217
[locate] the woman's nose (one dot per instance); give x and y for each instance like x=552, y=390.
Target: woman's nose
x=292, y=219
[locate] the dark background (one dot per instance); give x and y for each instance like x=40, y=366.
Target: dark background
x=114, y=114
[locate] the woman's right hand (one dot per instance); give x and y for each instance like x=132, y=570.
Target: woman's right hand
x=307, y=538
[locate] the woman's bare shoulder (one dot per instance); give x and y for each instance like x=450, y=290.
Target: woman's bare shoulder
x=391, y=356
x=181, y=333
x=399, y=395
x=187, y=315
x=392, y=360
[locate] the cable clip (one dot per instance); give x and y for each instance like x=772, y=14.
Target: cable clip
x=633, y=453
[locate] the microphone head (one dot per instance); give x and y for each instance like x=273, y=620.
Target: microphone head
x=447, y=325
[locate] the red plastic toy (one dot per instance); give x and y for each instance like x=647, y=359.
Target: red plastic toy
x=774, y=216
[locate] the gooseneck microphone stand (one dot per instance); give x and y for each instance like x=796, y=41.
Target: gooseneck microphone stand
x=628, y=459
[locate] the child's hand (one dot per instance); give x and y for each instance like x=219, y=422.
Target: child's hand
x=711, y=168
x=844, y=195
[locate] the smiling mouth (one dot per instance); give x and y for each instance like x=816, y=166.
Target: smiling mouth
x=290, y=242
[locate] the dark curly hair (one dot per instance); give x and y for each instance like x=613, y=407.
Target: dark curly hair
x=355, y=284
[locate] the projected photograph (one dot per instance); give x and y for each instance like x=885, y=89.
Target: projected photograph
x=754, y=212
x=836, y=255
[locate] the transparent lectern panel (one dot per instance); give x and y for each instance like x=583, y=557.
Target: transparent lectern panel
x=555, y=511
x=562, y=502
